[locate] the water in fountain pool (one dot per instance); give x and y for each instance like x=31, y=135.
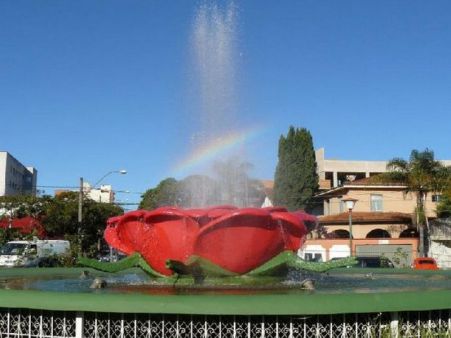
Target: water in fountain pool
x=138, y=282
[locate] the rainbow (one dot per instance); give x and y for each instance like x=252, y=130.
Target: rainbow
x=216, y=147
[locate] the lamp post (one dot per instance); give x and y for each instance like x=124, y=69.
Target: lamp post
x=122, y=172
x=350, y=203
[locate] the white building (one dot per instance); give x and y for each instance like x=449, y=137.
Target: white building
x=15, y=178
x=104, y=194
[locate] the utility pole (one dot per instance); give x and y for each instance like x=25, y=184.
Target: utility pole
x=350, y=233
x=80, y=213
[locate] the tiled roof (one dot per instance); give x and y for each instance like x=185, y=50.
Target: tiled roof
x=366, y=217
x=268, y=187
x=268, y=184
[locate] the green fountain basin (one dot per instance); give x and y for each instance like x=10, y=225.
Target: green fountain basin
x=425, y=290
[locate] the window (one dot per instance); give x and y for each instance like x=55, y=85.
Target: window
x=436, y=198
x=342, y=205
x=376, y=202
x=313, y=257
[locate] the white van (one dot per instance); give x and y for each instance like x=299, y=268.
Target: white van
x=31, y=253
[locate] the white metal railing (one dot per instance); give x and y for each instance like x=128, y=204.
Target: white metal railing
x=45, y=324
x=33, y=324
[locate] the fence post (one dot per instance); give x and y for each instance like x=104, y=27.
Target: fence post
x=79, y=319
x=394, y=325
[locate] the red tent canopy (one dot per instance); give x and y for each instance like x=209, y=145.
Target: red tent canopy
x=26, y=225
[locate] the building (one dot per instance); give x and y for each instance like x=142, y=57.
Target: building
x=374, y=196
x=381, y=222
x=382, y=217
x=104, y=194
x=16, y=178
x=334, y=172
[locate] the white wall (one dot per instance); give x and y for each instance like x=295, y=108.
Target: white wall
x=2, y=172
x=13, y=175
x=441, y=253
x=313, y=250
x=339, y=251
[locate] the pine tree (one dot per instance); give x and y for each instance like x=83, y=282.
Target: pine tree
x=296, y=179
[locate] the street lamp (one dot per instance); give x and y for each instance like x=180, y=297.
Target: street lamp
x=350, y=203
x=122, y=172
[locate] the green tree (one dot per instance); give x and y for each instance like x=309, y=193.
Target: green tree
x=296, y=179
x=61, y=220
x=24, y=205
x=422, y=174
x=167, y=192
x=59, y=216
x=95, y=216
x=444, y=206
x=12, y=234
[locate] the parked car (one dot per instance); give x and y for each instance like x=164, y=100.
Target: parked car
x=113, y=256
x=373, y=262
x=424, y=263
x=32, y=253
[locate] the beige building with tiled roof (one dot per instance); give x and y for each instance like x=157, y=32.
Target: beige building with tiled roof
x=381, y=218
x=381, y=221
x=374, y=196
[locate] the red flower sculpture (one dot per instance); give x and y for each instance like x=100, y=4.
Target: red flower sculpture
x=238, y=240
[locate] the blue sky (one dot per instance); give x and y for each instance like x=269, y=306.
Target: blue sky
x=92, y=86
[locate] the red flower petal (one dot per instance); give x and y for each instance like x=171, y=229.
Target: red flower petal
x=116, y=237
x=240, y=241
x=275, y=209
x=114, y=241
x=168, y=234
x=309, y=221
x=292, y=229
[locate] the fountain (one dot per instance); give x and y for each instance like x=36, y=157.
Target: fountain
x=235, y=241
x=219, y=271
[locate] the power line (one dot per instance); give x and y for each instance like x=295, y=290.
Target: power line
x=56, y=186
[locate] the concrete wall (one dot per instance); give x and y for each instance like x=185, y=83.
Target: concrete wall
x=337, y=167
x=441, y=253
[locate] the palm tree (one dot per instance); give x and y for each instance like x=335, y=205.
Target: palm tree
x=421, y=174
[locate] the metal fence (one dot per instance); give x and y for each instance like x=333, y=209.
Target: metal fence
x=25, y=323
x=44, y=324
